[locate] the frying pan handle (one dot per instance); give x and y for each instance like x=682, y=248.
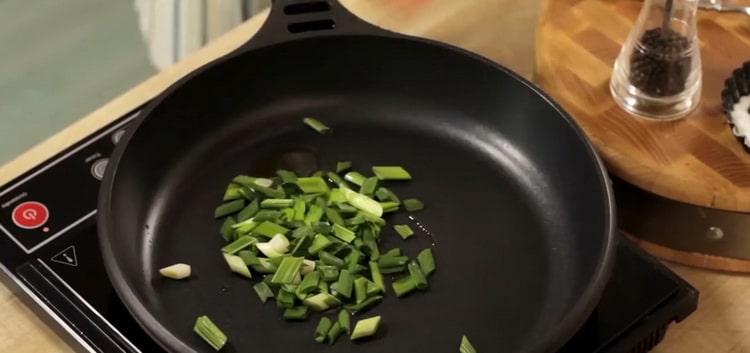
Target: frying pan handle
x=295, y=19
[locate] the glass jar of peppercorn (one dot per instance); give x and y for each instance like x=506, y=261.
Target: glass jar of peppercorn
x=658, y=72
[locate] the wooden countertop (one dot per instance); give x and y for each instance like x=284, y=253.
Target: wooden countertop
x=719, y=326
x=696, y=159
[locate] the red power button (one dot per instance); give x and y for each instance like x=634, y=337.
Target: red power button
x=30, y=215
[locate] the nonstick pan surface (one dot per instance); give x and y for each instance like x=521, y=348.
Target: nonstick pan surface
x=518, y=208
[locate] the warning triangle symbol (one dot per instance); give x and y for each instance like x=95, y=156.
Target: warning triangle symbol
x=66, y=257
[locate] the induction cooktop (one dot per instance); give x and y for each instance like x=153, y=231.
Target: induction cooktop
x=49, y=255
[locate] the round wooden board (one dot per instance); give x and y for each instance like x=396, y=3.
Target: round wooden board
x=710, y=262
x=696, y=159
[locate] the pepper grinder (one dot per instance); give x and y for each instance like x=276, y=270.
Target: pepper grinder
x=658, y=72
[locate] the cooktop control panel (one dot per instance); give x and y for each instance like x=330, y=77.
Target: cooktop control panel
x=61, y=195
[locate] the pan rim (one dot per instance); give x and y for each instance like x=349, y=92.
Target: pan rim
x=567, y=327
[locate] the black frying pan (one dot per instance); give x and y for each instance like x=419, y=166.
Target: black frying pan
x=518, y=202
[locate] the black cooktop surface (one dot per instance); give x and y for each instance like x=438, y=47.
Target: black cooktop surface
x=50, y=254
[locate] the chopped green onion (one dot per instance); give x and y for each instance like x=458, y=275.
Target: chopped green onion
x=466, y=346
x=301, y=245
x=344, y=208
x=345, y=321
x=321, y=302
x=267, y=215
x=285, y=298
x=368, y=186
x=321, y=331
x=404, y=286
x=352, y=260
x=176, y=271
x=268, y=250
x=391, y=173
x=355, y=178
x=248, y=211
x=260, y=185
x=245, y=226
x=299, y=210
x=377, y=277
x=248, y=257
x=332, y=256
x=373, y=219
x=426, y=261
x=368, y=240
x=359, y=269
x=314, y=214
x=264, y=182
x=343, y=233
x=366, y=327
x=383, y=194
x=343, y=166
x=292, y=287
x=360, y=289
x=263, y=291
x=363, y=203
x=336, y=179
x=269, y=229
x=309, y=283
x=330, y=273
x=403, y=230
x=276, y=247
x=392, y=261
x=288, y=270
x=372, y=289
x=356, y=220
x=286, y=176
x=209, y=332
x=360, y=307
x=232, y=192
x=392, y=270
x=312, y=185
x=413, y=205
x=334, y=332
x=227, y=231
x=297, y=313
x=239, y=244
x=334, y=216
x=276, y=203
x=248, y=193
x=392, y=252
x=229, y=208
x=279, y=243
x=237, y=265
x=276, y=261
x=316, y=125
x=420, y=280
x=307, y=266
x=244, y=180
x=323, y=287
x=287, y=215
x=389, y=206
x=302, y=231
x=345, y=284
x=336, y=196
x=330, y=259
x=320, y=242
x=264, y=266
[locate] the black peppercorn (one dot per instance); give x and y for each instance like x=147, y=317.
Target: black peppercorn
x=660, y=63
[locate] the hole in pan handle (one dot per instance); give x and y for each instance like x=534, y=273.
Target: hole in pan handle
x=294, y=19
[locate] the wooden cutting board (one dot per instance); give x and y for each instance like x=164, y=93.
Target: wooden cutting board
x=695, y=160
